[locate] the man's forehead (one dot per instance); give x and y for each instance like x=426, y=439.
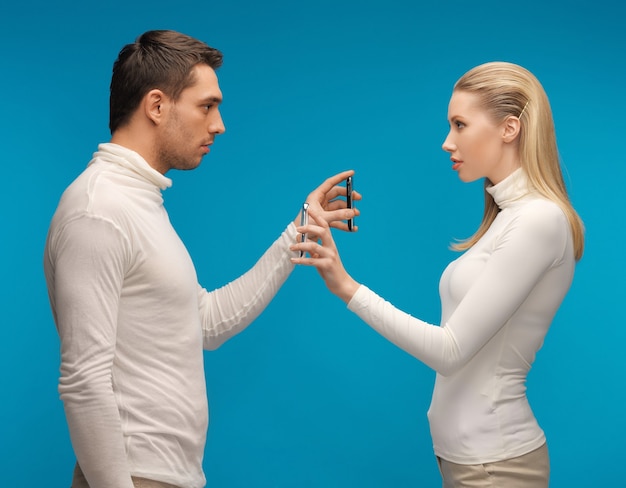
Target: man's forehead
x=206, y=84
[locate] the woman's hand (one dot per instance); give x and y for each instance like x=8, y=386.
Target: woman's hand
x=324, y=256
x=323, y=201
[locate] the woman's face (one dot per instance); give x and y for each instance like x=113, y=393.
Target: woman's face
x=476, y=144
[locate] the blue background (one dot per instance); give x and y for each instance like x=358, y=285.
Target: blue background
x=309, y=396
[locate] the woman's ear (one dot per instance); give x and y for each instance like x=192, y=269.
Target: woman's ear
x=153, y=105
x=511, y=129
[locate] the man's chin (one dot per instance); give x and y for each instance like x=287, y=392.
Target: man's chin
x=188, y=166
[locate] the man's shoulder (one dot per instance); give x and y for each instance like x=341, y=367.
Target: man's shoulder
x=94, y=194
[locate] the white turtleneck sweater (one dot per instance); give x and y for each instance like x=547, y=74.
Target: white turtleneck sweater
x=133, y=322
x=498, y=300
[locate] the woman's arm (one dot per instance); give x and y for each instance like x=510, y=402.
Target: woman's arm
x=523, y=254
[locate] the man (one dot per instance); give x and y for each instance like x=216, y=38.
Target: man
x=130, y=314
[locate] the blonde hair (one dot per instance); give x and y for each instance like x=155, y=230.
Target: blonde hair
x=506, y=89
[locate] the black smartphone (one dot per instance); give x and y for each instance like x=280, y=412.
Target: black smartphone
x=349, y=202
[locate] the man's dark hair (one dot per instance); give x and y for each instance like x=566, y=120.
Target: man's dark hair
x=158, y=59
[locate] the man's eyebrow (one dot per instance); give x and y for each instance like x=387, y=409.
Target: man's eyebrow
x=212, y=99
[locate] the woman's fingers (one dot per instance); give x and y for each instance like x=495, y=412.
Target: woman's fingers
x=324, y=256
x=318, y=236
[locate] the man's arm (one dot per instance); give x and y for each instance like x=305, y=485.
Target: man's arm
x=85, y=269
x=228, y=310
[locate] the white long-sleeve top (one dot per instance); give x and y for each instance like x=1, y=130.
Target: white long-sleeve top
x=133, y=322
x=498, y=300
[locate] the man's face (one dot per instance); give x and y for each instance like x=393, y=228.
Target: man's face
x=192, y=123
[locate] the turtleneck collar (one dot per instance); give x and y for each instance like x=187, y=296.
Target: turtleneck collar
x=129, y=159
x=511, y=189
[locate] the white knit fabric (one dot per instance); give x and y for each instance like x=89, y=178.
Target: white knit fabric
x=498, y=300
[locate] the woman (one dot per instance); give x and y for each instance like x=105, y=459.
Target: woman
x=500, y=296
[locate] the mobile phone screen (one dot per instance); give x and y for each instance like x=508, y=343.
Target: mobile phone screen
x=349, y=202
x=304, y=220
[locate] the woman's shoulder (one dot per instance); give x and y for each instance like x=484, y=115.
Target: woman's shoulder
x=541, y=215
x=541, y=206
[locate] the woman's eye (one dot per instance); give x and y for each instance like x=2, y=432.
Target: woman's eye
x=459, y=125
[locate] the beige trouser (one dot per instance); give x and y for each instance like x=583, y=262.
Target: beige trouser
x=531, y=470
x=80, y=481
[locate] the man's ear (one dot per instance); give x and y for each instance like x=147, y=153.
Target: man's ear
x=511, y=128
x=153, y=106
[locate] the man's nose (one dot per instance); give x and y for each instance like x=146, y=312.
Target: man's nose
x=217, y=125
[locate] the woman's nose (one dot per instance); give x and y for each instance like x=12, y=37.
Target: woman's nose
x=447, y=145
